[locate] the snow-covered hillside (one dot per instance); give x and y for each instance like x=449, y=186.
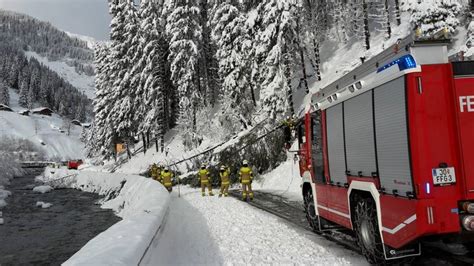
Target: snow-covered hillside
x=84, y=83
x=43, y=131
x=89, y=40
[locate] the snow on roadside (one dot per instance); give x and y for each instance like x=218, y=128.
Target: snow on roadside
x=141, y=203
x=225, y=231
x=284, y=180
x=42, y=189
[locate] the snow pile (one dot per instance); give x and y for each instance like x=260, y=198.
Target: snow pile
x=226, y=231
x=141, y=202
x=42, y=189
x=284, y=181
x=43, y=205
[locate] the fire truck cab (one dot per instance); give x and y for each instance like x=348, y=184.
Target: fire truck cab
x=387, y=151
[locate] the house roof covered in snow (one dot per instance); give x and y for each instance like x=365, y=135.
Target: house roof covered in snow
x=6, y=108
x=42, y=110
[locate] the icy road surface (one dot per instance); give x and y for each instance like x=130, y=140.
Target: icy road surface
x=215, y=231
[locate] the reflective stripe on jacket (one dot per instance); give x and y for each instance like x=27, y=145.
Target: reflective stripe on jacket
x=245, y=175
x=166, y=178
x=203, y=175
x=224, y=177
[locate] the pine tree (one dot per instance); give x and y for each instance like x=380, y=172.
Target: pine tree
x=208, y=62
x=4, y=94
x=184, y=30
x=235, y=66
x=276, y=40
x=429, y=17
x=122, y=115
x=24, y=89
x=150, y=99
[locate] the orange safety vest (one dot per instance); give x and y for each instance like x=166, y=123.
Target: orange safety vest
x=204, y=176
x=245, y=175
x=224, y=177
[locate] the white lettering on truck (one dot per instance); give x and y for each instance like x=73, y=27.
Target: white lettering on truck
x=466, y=103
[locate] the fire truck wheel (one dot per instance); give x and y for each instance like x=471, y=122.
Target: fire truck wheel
x=311, y=211
x=366, y=228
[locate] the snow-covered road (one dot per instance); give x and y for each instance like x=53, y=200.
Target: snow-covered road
x=216, y=231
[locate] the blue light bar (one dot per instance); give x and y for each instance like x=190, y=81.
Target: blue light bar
x=404, y=62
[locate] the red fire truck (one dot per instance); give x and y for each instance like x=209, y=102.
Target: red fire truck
x=387, y=151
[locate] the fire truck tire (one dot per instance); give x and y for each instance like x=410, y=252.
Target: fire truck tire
x=367, y=230
x=310, y=211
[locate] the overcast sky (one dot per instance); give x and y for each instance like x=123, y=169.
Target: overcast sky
x=85, y=17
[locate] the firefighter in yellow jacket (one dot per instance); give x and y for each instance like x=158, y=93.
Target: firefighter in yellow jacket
x=245, y=178
x=166, y=179
x=224, y=174
x=205, y=178
x=154, y=172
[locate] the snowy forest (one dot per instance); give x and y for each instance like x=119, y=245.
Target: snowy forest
x=35, y=83
x=31, y=34
x=225, y=65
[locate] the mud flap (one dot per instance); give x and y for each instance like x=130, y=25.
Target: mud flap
x=410, y=250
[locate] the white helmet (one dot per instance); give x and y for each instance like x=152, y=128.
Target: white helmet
x=167, y=168
x=222, y=168
x=245, y=162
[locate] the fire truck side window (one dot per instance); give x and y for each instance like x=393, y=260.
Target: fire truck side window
x=301, y=134
x=317, y=147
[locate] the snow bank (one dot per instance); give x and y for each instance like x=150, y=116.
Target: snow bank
x=42, y=189
x=43, y=205
x=141, y=202
x=283, y=181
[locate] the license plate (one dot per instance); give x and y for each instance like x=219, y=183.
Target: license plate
x=444, y=176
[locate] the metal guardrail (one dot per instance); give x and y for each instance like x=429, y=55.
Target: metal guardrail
x=35, y=164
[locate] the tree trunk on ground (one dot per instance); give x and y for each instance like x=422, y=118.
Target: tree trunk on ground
x=148, y=139
x=303, y=65
x=366, y=25
x=144, y=143
x=389, y=27
x=397, y=12
x=289, y=92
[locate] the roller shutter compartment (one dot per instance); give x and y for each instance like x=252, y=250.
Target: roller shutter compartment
x=392, y=137
x=335, y=139
x=359, y=133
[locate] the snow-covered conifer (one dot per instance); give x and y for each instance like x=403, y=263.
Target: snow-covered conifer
x=431, y=16
x=184, y=29
x=4, y=94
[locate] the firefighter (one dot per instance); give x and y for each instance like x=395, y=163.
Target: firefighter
x=154, y=172
x=205, y=178
x=166, y=178
x=245, y=178
x=225, y=181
